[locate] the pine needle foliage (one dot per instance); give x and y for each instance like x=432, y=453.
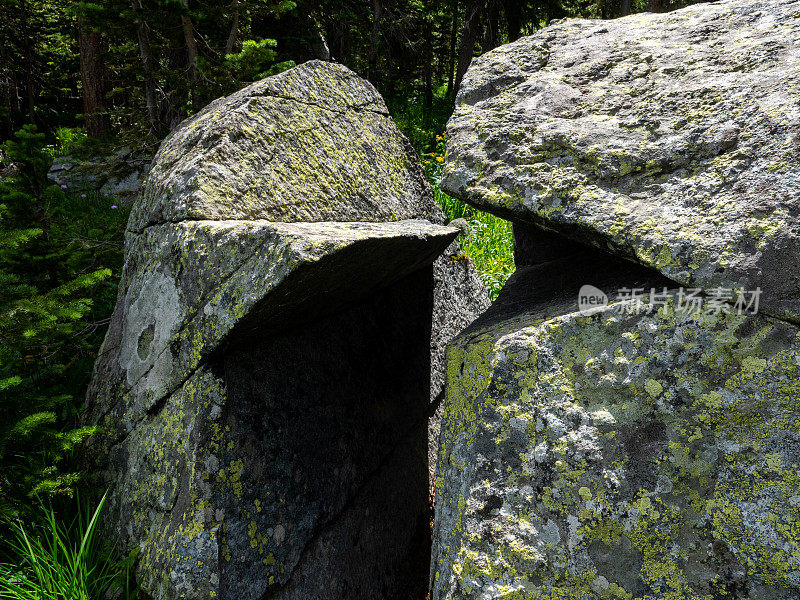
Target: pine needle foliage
x=44, y=311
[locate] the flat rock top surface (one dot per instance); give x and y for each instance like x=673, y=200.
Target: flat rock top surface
x=672, y=139
x=314, y=143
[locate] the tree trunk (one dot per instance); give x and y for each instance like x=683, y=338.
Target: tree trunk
x=377, y=10
x=469, y=35
x=654, y=6
x=93, y=81
x=427, y=69
x=30, y=90
x=451, y=58
x=191, y=42
x=513, y=16
x=625, y=8
x=148, y=63
x=234, y=29
x=29, y=61
x=491, y=35
x=14, y=107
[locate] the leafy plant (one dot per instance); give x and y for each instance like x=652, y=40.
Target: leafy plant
x=256, y=60
x=67, y=141
x=54, y=561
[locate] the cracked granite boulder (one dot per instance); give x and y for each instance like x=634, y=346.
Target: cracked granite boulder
x=648, y=455
x=630, y=451
x=610, y=453
x=265, y=385
x=672, y=139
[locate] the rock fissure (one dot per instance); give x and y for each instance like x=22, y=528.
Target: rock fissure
x=355, y=108
x=356, y=497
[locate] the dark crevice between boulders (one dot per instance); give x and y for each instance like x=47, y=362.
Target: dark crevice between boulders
x=535, y=246
x=581, y=264
x=358, y=496
x=551, y=270
x=331, y=417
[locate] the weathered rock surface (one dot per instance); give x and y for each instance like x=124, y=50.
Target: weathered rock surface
x=266, y=381
x=458, y=299
x=633, y=451
x=289, y=148
x=118, y=175
x=617, y=455
x=189, y=286
x=673, y=139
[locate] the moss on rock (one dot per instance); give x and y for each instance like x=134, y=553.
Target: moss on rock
x=672, y=139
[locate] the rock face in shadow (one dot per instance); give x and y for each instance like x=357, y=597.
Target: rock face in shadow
x=265, y=387
x=671, y=139
x=623, y=421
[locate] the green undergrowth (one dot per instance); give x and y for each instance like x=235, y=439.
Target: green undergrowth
x=489, y=242
x=60, y=259
x=49, y=559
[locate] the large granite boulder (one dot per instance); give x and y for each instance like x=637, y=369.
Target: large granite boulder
x=623, y=421
x=672, y=139
x=647, y=455
x=265, y=385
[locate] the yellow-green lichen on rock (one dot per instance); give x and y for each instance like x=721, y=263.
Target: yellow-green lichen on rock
x=673, y=139
x=314, y=143
x=650, y=456
x=643, y=451
x=277, y=341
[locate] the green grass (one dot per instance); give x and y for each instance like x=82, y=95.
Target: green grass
x=489, y=243
x=54, y=561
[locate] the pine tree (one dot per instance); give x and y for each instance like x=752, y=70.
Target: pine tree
x=42, y=310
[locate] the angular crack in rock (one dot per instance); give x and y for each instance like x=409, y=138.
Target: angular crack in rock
x=386, y=469
x=284, y=242
x=281, y=253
